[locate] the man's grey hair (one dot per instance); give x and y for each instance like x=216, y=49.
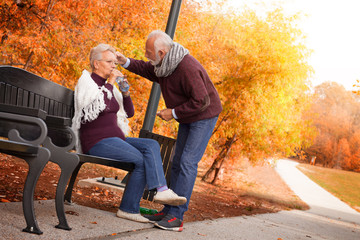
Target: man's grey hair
x=96, y=52
x=162, y=40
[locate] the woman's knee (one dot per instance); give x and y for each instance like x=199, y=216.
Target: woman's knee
x=152, y=145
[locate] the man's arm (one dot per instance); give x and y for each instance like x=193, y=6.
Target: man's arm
x=139, y=67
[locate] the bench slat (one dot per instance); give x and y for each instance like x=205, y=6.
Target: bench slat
x=84, y=158
x=23, y=111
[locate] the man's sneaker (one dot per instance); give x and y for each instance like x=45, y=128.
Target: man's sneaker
x=156, y=217
x=169, y=197
x=132, y=216
x=171, y=223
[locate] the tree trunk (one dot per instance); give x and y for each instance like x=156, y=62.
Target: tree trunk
x=217, y=170
x=28, y=61
x=213, y=166
x=219, y=160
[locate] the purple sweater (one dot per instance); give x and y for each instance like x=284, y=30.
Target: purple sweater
x=105, y=126
x=188, y=89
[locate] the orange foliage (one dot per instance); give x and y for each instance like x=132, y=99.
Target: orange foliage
x=343, y=155
x=335, y=114
x=53, y=38
x=355, y=161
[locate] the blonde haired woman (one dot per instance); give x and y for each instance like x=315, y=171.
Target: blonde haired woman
x=101, y=124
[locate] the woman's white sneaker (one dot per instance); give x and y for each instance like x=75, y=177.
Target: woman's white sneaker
x=132, y=216
x=169, y=197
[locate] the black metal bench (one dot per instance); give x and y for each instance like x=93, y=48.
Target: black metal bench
x=58, y=104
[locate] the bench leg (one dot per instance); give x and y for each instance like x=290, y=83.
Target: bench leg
x=67, y=163
x=67, y=168
x=36, y=166
x=72, y=182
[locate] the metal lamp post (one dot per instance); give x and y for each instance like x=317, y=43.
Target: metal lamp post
x=154, y=98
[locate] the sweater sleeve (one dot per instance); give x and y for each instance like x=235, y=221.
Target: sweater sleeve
x=128, y=106
x=142, y=68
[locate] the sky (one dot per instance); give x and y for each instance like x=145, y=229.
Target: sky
x=332, y=28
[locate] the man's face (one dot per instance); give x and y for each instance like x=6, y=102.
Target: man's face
x=156, y=61
x=150, y=53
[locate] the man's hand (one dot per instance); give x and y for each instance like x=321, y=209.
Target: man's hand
x=121, y=58
x=165, y=114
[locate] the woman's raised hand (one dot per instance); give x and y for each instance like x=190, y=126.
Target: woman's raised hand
x=113, y=75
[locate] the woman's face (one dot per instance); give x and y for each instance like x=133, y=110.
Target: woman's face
x=106, y=65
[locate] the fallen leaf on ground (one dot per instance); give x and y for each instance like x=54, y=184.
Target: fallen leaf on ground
x=72, y=213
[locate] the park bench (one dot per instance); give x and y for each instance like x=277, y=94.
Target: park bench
x=22, y=90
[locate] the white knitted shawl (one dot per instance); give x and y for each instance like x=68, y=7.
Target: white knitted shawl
x=89, y=103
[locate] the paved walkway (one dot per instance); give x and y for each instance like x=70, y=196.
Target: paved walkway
x=327, y=219
x=93, y=224
x=321, y=202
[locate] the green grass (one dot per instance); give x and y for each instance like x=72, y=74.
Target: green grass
x=344, y=185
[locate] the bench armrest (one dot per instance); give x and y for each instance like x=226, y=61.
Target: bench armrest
x=20, y=110
x=14, y=133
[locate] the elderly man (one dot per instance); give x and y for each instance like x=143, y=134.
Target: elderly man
x=191, y=99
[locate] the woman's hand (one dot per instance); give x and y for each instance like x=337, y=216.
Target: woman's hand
x=124, y=87
x=113, y=75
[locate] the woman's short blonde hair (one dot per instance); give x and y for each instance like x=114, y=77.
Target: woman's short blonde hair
x=96, y=52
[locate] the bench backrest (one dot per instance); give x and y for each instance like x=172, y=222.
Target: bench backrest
x=21, y=88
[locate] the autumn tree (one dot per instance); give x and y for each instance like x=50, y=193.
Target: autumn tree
x=354, y=162
x=335, y=114
x=343, y=155
x=263, y=85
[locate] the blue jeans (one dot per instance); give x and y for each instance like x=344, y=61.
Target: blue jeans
x=145, y=154
x=191, y=143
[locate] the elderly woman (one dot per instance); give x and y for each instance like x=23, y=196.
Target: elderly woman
x=101, y=124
